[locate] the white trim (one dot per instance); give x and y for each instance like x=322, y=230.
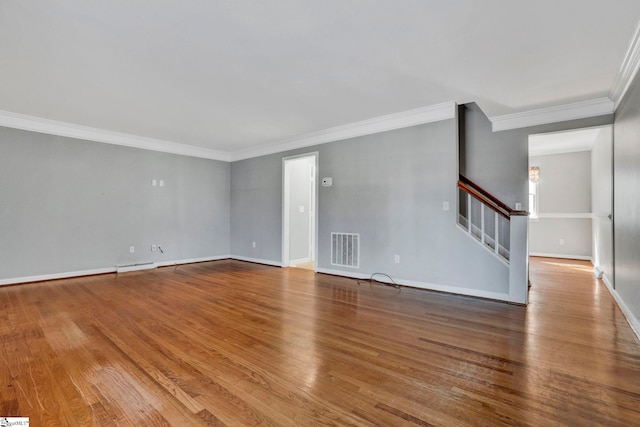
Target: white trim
x=606, y=280
x=54, y=276
x=633, y=321
x=257, y=260
x=135, y=267
x=424, y=285
x=68, y=274
x=399, y=120
x=192, y=260
x=628, y=69
x=285, y=206
x=403, y=119
x=486, y=247
x=70, y=130
x=563, y=256
x=561, y=113
x=569, y=215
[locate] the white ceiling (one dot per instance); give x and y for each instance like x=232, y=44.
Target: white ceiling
x=235, y=75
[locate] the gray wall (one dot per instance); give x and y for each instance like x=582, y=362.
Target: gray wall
x=256, y=208
x=498, y=161
x=389, y=188
x=602, y=202
x=626, y=158
x=69, y=205
x=564, y=187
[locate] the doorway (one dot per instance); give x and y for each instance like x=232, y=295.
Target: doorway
x=299, y=220
x=571, y=197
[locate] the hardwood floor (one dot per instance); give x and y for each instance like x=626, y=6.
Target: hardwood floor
x=234, y=343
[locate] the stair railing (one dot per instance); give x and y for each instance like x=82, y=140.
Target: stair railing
x=485, y=218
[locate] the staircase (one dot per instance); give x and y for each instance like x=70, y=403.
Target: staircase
x=485, y=218
x=498, y=229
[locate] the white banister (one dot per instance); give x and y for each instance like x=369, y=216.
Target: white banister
x=514, y=249
x=496, y=232
x=469, y=212
x=482, y=223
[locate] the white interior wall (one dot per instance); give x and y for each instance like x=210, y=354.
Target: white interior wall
x=299, y=176
x=601, y=202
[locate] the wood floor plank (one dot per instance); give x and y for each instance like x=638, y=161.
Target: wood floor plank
x=234, y=343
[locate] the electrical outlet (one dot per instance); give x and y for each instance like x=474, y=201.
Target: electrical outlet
x=445, y=206
x=154, y=182
x=132, y=249
x=562, y=241
x=396, y=259
x=154, y=248
x=518, y=206
x=162, y=183
x=253, y=244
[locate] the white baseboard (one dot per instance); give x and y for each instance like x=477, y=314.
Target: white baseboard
x=606, y=281
x=65, y=275
x=192, y=260
x=564, y=256
x=257, y=260
x=135, y=267
x=633, y=321
x=423, y=285
x=106, y=270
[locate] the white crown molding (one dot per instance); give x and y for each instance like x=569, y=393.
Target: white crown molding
x=399, y=120
x=54, y=127
x=365, y=127
x=576, y=110
x=628, y=70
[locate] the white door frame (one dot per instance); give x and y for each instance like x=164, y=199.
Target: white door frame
x=313, y=209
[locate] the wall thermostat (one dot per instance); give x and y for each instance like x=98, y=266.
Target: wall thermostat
x=327, y=182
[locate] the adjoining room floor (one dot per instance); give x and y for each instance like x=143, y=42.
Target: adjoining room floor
x=306, y=265
x=235, y=343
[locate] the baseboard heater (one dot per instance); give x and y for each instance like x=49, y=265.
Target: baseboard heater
x=135, y=267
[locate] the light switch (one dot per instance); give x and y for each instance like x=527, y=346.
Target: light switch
x=301, y=209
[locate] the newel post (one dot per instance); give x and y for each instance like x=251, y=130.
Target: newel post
x=519, y=259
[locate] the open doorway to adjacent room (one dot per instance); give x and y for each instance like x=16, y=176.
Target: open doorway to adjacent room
x=299, y=211
x=571, y=197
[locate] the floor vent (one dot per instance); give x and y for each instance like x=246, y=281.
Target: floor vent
x=345, y=249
